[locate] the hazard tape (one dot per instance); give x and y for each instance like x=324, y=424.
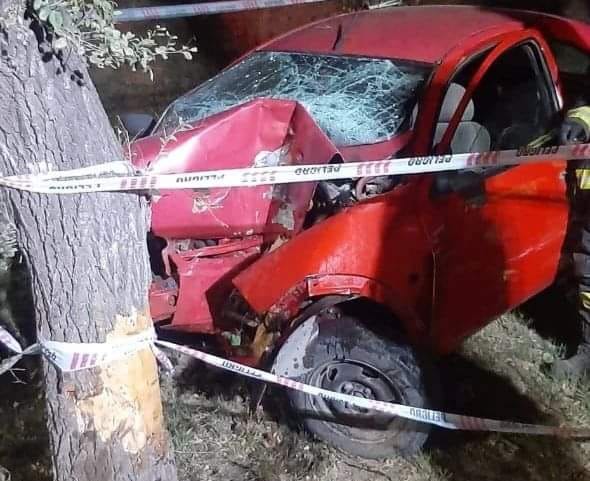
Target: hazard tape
x=116, y=168
x=102, y=178
x=428, y=416
x=139, y=14
x=70, y=357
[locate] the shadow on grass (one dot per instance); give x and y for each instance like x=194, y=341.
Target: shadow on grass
x=464, y=456
x=469, y=456
x=553, y=316
x=192, y=375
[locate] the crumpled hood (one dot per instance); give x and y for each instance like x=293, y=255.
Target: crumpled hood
x=260, y=133
x=231, y=139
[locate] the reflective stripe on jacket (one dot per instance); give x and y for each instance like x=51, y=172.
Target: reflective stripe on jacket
x=582, y=114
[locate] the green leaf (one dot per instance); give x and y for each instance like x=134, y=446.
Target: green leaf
x=548, y=358
x=56, y=19
x=87, y=27
x=44, y=14
x=67, y=20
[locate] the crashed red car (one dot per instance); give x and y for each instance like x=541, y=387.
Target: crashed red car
x=350, y=285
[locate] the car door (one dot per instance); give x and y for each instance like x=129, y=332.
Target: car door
x=497, y=240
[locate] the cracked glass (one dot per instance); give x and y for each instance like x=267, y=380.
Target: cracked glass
x=354, y=100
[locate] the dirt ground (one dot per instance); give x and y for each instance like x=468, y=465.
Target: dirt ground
x=217, y=438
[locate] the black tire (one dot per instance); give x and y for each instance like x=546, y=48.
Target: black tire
x=343, y=355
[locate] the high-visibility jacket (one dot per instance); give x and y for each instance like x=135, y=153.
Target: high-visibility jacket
x=581, y=234
x=582, y=116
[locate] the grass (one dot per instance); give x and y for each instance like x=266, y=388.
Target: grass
x=216, y=437
x=497, y=373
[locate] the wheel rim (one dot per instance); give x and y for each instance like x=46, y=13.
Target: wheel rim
x=357, y=379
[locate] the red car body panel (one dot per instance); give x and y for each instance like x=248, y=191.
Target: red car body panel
x=203, y=272
x=511, y=251
x=234, y=139
x=356, y=244
x=525, y=270
x=396, y=33
x=402, y=249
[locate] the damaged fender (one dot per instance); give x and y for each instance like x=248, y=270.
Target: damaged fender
x=371, y=264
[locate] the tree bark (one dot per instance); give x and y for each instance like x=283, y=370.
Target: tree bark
x=88, y=263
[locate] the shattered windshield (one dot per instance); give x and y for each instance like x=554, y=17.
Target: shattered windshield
x=354, y=100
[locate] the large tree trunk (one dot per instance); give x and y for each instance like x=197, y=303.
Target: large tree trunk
x=88, y=264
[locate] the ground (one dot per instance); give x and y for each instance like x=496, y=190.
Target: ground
x=216, y=437
x=497, y=374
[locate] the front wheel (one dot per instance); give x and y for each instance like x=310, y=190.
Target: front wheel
x=344, y=356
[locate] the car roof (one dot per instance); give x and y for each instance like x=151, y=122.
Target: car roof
x=422, y=34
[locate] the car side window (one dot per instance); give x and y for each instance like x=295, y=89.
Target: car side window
x=511, y=106
x=574, y=72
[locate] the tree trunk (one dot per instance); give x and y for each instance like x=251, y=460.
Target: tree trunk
x=88, y=263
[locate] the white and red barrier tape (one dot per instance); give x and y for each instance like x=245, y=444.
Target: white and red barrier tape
x=140, y=14
x=115, y=177
x=429, y=416
x=75, y=356
x=69, y=356
x=93, y=179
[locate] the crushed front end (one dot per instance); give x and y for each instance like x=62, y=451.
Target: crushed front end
x=200, y=240
x=269, y=109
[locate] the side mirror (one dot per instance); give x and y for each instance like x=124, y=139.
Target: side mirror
x=137, y=125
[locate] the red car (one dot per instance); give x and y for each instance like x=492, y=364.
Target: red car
x=353, y=285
